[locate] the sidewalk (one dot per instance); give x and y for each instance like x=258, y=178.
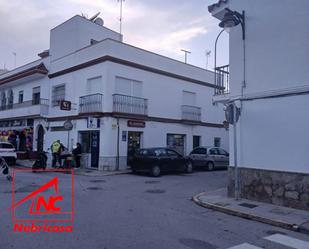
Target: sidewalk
x=288, y=218
x=78, y=171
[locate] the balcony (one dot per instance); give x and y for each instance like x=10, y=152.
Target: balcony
x=91, y=103
x=222, y=80
x=129, y=104
x=26, y=108
x=191, y=113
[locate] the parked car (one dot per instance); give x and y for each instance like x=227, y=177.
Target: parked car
x=158, y=160
x=7, y=151
x=209, y=157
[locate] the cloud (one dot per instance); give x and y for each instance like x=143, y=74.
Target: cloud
x=161, y=26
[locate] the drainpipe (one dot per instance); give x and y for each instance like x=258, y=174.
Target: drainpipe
x=236, y=173
x=117, y=156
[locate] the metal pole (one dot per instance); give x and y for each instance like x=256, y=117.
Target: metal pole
x=117, y=157
x=236, y=176
x=216, y=56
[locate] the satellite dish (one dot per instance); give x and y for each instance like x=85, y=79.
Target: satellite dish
x=99, y=21
x=94, y=17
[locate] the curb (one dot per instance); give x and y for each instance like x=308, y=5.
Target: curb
x=102, y=174
x=248, y=216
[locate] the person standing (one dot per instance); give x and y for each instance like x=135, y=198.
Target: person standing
x=77, y=154
x=56, y=151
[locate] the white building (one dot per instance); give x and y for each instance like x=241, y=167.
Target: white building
x=121, y=97
x=269, y=83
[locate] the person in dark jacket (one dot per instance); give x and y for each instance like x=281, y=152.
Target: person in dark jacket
x=77, y=154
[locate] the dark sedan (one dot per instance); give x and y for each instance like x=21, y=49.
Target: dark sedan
x=157, y=160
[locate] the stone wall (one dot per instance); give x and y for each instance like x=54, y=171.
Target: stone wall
x=277, y=187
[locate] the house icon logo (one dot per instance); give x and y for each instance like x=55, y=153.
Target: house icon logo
x=46, y=204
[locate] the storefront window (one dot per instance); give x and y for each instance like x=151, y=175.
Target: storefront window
x=176, y=142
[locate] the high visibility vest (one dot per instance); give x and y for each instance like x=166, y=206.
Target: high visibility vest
x=56, y=147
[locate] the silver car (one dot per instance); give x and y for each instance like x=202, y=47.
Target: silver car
x=209, y=157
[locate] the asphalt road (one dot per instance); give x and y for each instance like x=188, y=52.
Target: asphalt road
x=136, y=211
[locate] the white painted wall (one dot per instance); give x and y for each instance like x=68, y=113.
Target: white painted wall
x=271, y=133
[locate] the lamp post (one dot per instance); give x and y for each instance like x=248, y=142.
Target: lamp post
x=232, y=19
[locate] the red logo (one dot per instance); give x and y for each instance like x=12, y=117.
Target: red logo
x=46, y=204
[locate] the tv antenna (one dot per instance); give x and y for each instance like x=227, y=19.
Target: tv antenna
x=207, y=53
x=186, y=52
x=14, y=53
x=120, y=16
x=94, y=17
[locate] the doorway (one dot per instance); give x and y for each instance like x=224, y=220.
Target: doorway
x=134, y=143
x=176, y=142
x=40, y=138
x=90, y=143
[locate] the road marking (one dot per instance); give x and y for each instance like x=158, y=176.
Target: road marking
x=288, y=241
x=245, y=246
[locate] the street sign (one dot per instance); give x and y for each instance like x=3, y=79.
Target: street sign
x=229, y=113
x=65, y=105
x=68, y=125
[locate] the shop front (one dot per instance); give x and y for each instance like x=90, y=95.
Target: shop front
x=19, y=133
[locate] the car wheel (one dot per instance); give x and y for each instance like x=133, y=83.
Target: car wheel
x=189, y=167
x=210, y=166
x=155, y=171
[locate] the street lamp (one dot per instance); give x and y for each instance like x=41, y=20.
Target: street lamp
x=232, y=19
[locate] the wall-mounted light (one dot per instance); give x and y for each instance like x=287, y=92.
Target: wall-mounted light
x=232, y=19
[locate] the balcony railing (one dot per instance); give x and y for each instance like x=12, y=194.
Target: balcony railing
x=28, y=103
x=129, y=104
x=91, y=103
x=191, y=113
x=222, y=80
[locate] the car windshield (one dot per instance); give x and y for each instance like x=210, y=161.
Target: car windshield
x=6, y=146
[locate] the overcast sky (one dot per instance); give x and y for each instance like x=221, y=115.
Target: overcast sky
x=161, y=26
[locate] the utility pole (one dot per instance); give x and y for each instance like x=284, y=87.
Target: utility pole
x=120, y=16
x=186, y=52
x=207, y=53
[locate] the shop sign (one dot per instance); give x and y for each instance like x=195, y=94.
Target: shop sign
x=65, y=105
x=93, y=123
x=136, y=123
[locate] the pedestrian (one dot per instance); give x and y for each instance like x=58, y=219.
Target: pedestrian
x=77, y=154
x=56, y=151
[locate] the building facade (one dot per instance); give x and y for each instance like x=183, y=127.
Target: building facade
x=268, y=83
x=116, y=98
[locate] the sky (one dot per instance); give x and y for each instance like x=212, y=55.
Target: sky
x=161, y=26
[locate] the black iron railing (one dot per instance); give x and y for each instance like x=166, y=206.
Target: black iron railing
x=222, y=80
x=191, y=113
x=28, y=103
x=129, y=104
x=91, y=103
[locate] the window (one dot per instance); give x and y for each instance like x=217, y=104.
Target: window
x=36, y=92
x=10, y=98
x=188, y=98
x=172, y=153
x=6, y=146
x=21, y=97
x=160, y=152
x=213, y=151
x=58, y=94
x=199, y=151
x=217, y=141
x=94, y=85
x=222, y=152
x=3, y=100
x=196, y=141
x=129, y=87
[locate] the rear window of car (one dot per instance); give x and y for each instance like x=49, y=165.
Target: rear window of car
x=6, y=146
